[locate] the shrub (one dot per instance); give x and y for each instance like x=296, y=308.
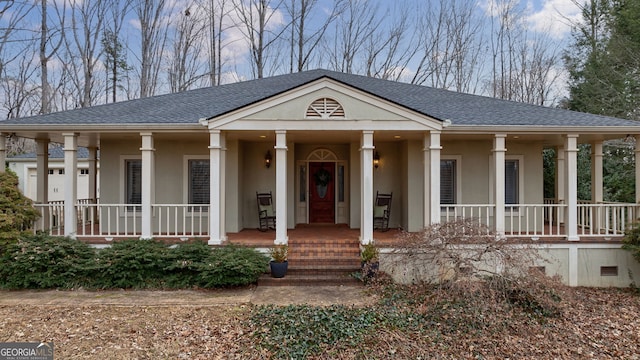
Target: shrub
x=132, y=263
x=466, y=261
x=185, y=262
x=232, y=265
x=17, y=213
x=42, y=261
x=631, y=240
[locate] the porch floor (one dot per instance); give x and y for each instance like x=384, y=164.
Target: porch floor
x=305, y=233
x=320, y=232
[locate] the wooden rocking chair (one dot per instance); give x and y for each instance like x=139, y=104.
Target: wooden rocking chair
x=382, y=211
x=266, y=212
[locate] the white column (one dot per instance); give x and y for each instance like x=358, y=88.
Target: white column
x=637, y=169
x=596, y=172
x=596, y=184
x=281, y=187
x=499, y=151
x=42, y=179
x=42, y=169
x=148, y=180
x=571, y=186
x=3, y=152
x=70, y=184
x=215, y=194
x=93, y=183
x=93, y=173
x=426, y=169
x=434, y=174
x=560, y=180
x=223, y=188
x=366, y=187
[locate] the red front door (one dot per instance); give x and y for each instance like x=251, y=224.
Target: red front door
x=321, y=192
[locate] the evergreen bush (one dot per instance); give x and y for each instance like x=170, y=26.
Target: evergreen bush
x=132, y=263
x=42, y=262
x=185, y=261
x=631, y=240
x=232, y=265
x=17, y=213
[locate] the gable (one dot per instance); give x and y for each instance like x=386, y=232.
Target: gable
x=324, y=104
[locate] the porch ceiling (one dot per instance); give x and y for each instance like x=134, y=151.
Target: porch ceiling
x=547, y=136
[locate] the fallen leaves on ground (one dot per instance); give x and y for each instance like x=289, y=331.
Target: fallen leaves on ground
x=595, y=323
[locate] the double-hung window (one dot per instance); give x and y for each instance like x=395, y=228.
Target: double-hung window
x=511, y=181
x=198, y=182
x=133, y=183
x=448, y=182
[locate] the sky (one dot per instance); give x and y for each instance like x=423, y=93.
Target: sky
x=553, y=16
x=550, y=17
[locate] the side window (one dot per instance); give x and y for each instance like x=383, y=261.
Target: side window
x=448, y=186
x=133, y=181
x=199, y=181
x=511, y=181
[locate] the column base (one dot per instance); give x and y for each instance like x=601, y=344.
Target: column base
x=284, y=241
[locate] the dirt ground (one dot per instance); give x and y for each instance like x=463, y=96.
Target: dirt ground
x=184, y=324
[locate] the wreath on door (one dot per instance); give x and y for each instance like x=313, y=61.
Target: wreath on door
x=322, y=177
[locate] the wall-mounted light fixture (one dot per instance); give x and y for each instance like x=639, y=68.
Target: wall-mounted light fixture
x=376, y=160
x=267, y=159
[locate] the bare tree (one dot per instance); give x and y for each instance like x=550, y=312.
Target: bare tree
x=20, y=93
x=259, y=22
x=450, y=45
x=115, y=55
x=12, y=16
x=153, y=34
x=87, y=21
x=523, y=66
x=184, y=62
x=389, y=51
x=304, y=39
x=53, y=41
x=216, y=21
x=354, y=28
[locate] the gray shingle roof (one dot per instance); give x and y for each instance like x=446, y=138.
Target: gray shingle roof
x=190, y=106
x=56, y=152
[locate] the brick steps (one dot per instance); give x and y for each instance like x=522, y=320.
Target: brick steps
x=312, y=277
x=319, y=262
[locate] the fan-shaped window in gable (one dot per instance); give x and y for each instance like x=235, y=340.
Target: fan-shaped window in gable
x=325, y=108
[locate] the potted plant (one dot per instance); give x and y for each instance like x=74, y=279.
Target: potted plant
x=369, y=259
x=279, y=263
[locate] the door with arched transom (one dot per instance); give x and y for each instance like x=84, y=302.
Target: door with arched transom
x=322, y=192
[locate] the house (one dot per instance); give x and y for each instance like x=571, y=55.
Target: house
x=189, y=165
x=25, y=166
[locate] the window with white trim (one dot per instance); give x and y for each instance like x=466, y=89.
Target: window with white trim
x=198, y=182
x=512, y=181
x=133, y=181
x=448, y=180
x=450, y=184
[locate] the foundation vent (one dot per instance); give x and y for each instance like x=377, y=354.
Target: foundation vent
x=608, y=271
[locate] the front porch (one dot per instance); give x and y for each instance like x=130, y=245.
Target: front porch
x=103, y=223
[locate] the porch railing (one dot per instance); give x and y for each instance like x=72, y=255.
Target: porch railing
x=188, y=220
x=605, y=219
x=192, y=220
x=481, y=214
x=532, y=220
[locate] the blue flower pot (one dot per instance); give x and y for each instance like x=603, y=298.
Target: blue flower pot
x=278, y=270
